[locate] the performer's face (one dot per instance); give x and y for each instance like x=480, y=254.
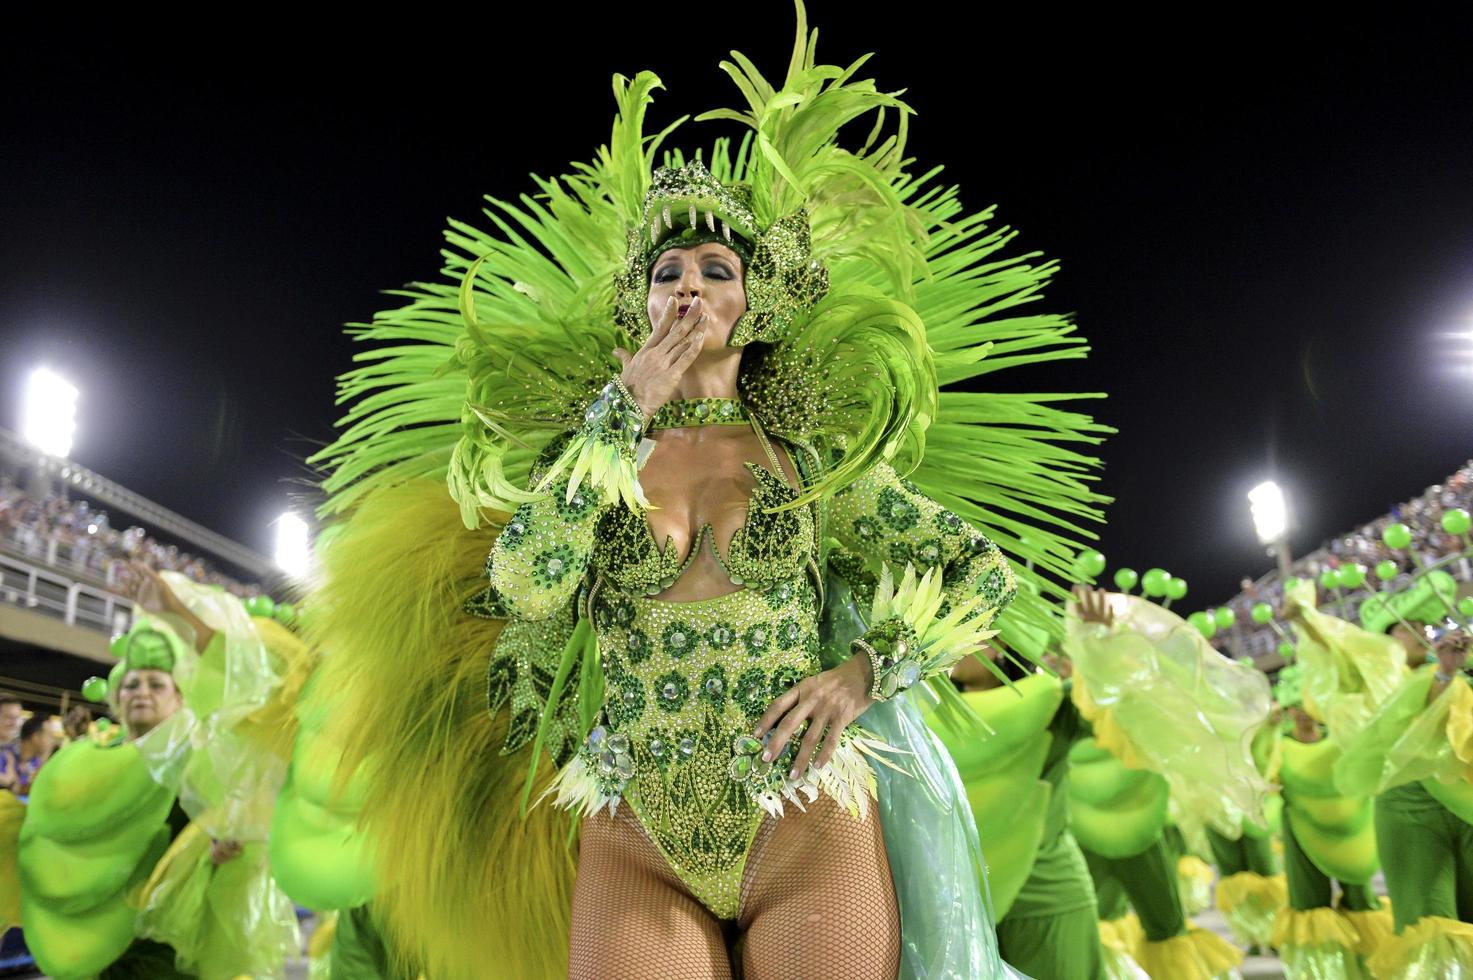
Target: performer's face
x=711, y=271
x=146, y=698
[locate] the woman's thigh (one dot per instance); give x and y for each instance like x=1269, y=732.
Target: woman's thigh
x=818, y=900
x=632, y=918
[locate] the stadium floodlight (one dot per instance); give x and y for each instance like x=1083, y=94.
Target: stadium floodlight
x=1270, y=512
x=293, y=553
x=49, y=412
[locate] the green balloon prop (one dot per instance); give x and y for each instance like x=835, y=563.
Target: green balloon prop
x=1456, y=521
x=1286, y=650
x=1465, y=606
x=1176, y=588
x=1291, y=583
x=1352, y=576
x=1153, y=583
x=1203, y=624
x=1091, y=563
x=1262, y=613
x=260, y=605
x=286, y=613
x=1397, y=536
x=1224, y=618
x=95, y=689
x=1126, y=579
x=1329, y=578
x=1386, y=570
x=104, y=723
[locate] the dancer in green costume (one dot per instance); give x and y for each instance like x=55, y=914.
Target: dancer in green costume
x=1172, y=718
x=1329, y=839
x=116, y=879
x=1251, y=887
x=1017, y=779
x=1416, y=755
x=785, y=312
x=1341, y=675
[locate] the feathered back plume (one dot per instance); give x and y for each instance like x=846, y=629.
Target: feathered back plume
x=409, y=671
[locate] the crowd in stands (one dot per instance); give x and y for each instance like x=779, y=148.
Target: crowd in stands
x=1423, y=517
x=72, y=533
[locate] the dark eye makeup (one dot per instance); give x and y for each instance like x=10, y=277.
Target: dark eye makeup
x=715, y=269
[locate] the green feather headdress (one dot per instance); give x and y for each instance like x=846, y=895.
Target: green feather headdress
x=877, y=298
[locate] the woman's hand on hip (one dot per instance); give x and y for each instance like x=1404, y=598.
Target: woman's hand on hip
x=828, y=702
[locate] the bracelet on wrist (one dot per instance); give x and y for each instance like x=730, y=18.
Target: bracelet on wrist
x=893, y=658
x=644, y=419
x=615, y=418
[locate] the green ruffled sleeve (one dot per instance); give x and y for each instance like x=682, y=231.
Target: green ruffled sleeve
x=1347, y=671
x=1409, y=740
x=542, y=554
x=1161, y=699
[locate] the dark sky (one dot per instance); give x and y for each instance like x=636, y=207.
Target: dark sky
x=1265, y=224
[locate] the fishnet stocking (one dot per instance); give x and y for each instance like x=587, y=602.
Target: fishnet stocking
x=632, y=918
x=817, y=902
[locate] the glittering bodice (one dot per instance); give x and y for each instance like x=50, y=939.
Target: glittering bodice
x=684, y=684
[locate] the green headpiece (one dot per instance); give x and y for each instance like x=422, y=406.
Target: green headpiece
x=148, y=645
x=1418, y=603
x=686, y=206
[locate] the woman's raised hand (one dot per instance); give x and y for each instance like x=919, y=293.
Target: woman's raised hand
x=652, y=373
x=1093, y=605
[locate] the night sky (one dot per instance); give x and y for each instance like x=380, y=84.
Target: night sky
x=1265, y=225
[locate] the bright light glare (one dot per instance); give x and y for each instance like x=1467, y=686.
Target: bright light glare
x=293, y=554
x=1270, y=512
x=48, y=418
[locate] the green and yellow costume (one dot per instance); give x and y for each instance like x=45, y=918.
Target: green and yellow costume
x=1172, y=722
x=1017, y=781
x=868, y=290
x=1415, y=757
x=1251, y=887
x=115, y=874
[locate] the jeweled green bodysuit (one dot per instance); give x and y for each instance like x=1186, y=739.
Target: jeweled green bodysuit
x=684, y=682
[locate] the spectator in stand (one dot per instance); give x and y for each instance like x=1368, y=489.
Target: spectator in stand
x=37, y=742
x=71, y=533
x=78, y=722
x=12, y=714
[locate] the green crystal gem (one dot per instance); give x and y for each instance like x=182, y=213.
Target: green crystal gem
x=746, y=745
x=740, y=768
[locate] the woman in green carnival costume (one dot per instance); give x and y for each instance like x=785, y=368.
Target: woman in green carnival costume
x=117, y=881
x=1416, y=755
x=1342, y=674
x=673, y=405
x=1329, y=839
x=1251, y=887
x=1017, y=785
x=1172, y=720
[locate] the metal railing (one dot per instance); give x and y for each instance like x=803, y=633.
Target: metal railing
x=60, y=596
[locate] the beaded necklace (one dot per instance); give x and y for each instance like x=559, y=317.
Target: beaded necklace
x=700, y=411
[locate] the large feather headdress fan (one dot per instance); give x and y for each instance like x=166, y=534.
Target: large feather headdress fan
x=876, y=302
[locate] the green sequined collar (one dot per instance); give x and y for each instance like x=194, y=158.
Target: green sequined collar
x=700, y=411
